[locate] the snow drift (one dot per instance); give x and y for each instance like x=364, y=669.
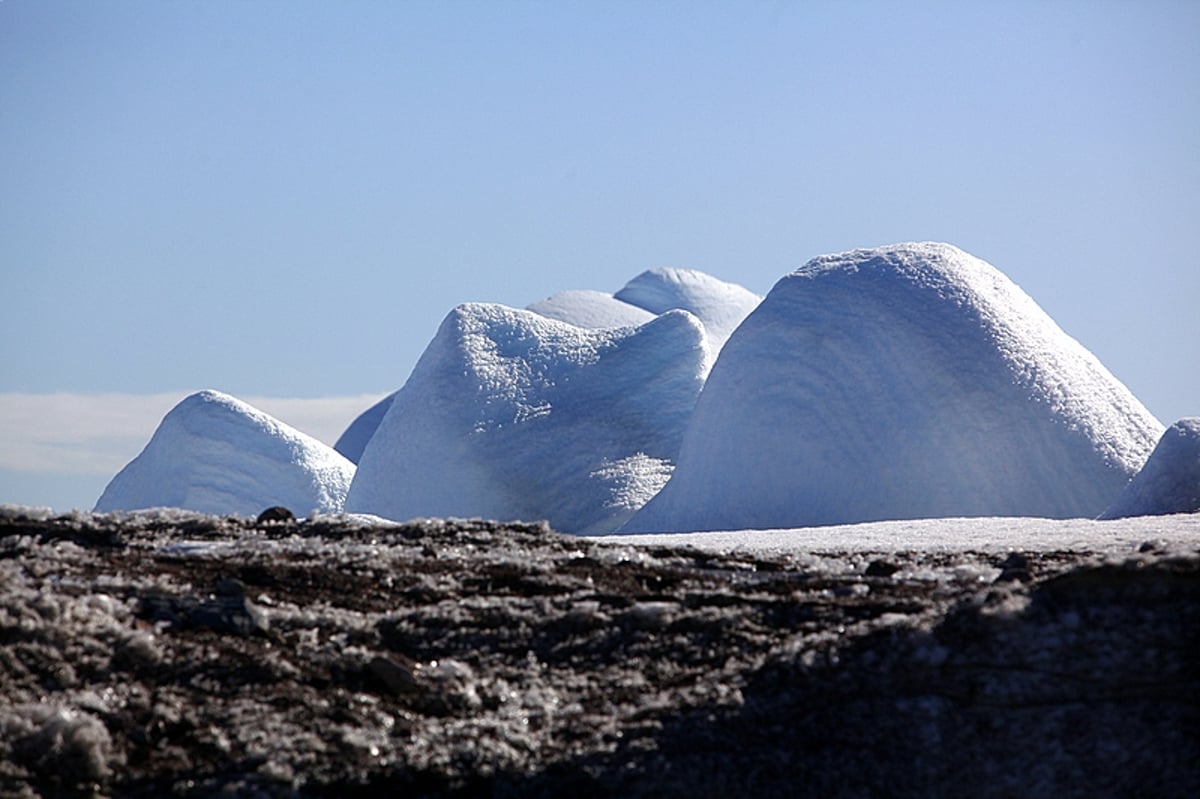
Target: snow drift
x=902, y=382
x=215, y=454
x=511, y=415
x=1170, y=480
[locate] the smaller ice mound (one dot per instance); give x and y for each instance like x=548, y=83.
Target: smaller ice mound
x=213, y=453
x=719, y=305
x=591, y=309
x=1170, y=480
x=510, y=415
x=354, y=438
x=911, y=381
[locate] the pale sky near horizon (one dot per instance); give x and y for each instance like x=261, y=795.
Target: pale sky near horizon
x=283, y=199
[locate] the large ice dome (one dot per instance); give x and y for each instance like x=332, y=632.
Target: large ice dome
x=214, y=453
x=512, y=415
x=901, y=382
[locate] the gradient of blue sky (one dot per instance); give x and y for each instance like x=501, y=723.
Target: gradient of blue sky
x=285, y=198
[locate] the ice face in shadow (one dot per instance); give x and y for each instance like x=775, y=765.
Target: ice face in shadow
x=1170, y=480
x=353, y=440
x=510, y=415
x=902, y=382
x=215, y=454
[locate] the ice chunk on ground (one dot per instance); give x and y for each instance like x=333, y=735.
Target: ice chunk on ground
x=592, y=309
x=1170, y=480
x=510, y=415
x=215, y=454
x=902, y=382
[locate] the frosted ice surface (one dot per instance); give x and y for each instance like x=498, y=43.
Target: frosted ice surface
x=902, y=382
x=1170, y=480
x=592, y=309
x=510, y=415
x=721, y=306
x=215, y=454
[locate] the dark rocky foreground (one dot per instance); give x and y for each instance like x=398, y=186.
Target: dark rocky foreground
x=183, y=655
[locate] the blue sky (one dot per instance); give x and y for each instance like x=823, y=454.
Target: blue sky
x=284, y=199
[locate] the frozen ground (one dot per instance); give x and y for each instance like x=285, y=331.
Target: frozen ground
x=167, y=653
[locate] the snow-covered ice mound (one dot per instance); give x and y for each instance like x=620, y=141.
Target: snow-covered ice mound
x=902, y=382
x=510, y=415
x=215, y=454
x=719, y=305
x=593, y=309
x=1170, y=480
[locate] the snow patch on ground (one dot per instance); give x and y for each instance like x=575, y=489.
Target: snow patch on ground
x=997, y=534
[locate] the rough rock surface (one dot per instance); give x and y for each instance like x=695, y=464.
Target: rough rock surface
x=164, y=654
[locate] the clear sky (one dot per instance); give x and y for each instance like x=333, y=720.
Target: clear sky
x=283, y=199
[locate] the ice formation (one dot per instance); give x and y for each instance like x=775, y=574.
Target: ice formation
x=719, y=305
x=511, y=415
x=902, y=382
x=592, y=309
x=216, y=454
x=1170, y=480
